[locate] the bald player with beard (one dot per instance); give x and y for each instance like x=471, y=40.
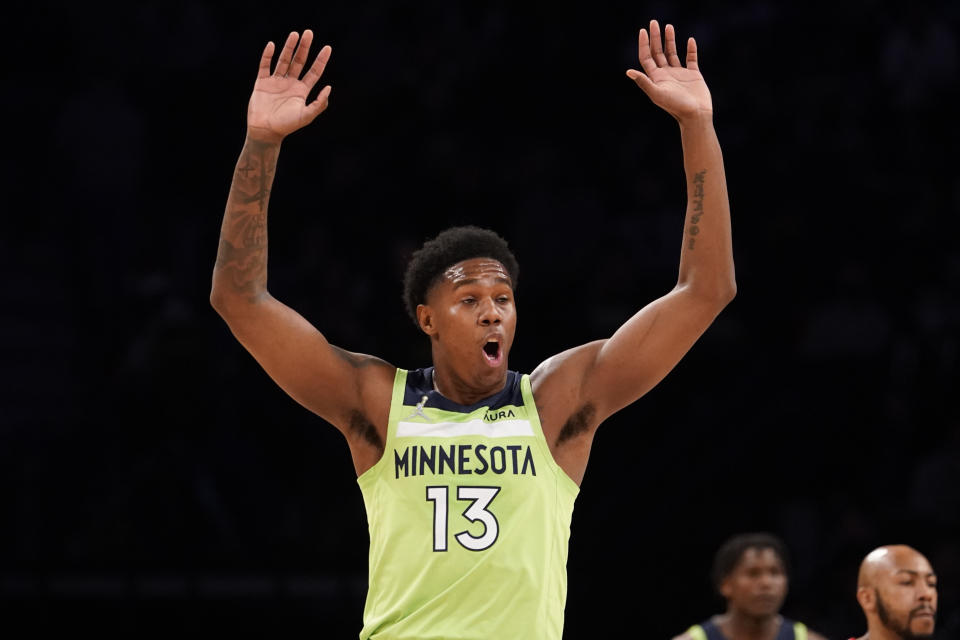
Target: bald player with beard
x=897, y=590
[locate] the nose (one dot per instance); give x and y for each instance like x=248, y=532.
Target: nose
x=489, y=313
x=927, y=593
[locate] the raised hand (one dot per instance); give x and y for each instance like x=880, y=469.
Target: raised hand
x=278, y=105
x=680, y=91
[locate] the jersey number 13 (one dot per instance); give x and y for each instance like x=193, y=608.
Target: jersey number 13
x=479, y=498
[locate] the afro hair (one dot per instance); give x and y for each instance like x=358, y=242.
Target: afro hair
x=730, y=554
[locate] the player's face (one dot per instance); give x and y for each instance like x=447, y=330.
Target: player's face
x=757, y=586
x=907, y=597
x=474, y=319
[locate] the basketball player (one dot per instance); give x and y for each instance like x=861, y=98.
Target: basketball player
x=750, y=573
x=468, y=470
x=897, y=590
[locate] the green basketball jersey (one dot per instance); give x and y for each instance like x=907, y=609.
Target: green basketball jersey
x=469, y=519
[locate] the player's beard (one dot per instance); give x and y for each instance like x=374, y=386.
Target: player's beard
x=901, y=629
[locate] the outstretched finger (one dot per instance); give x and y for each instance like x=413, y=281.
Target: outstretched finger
x=286, y=55
x=671, y=42
x=656, y=45
x=300, y=57
x=643, y=45
x=265, y=59
x=692, y=54
x=316, y=69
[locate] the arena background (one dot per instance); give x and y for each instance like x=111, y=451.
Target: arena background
x=154, y=479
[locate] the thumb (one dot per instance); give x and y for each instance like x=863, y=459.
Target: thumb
x=642, y=80
x=321, y=102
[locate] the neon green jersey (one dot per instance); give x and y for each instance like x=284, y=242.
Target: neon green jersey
x=469, y=519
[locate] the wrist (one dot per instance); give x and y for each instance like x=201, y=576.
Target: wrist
x=699, y=119
x=263, y=136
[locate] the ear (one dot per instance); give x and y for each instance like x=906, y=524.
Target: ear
x=425, y=319
x=866, y=596
x=725, y=588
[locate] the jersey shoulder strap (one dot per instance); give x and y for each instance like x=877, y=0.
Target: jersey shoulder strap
x=705, y=631
x=799, y=631
x=696, y=632
x=792, y=630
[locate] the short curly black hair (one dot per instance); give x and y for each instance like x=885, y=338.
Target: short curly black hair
x=730, y=554
x=447, y=249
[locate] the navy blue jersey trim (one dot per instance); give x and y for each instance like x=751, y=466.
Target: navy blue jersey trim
x=420, y=383
x=786, y=630
x=713, y=632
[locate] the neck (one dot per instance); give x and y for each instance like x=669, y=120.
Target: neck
x=455, y=388
x=741, y=626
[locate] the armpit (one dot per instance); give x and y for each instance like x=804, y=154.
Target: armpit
x=578, y=423
x=362, y=428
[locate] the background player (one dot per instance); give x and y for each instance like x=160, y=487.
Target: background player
x=897, y=590
x=750, y=573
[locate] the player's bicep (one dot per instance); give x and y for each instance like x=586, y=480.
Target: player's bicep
x=647, y=347
x=323, y=378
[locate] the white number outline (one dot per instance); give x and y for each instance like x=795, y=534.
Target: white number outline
x=438, y=495
x=477, y=511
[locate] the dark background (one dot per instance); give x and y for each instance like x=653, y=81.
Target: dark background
x=152, y=477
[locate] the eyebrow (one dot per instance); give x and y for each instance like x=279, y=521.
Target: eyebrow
x=929, y=574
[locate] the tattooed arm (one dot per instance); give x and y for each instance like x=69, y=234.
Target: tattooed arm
x=351, y=391
x=580, y=388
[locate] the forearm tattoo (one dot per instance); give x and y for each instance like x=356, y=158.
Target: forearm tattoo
x=242, y=256
x=697, y=208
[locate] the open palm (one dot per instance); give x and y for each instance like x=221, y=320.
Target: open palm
x=278, y=105
x=679, y=90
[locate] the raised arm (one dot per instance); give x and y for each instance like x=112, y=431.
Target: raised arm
x=601, y=377
x=351, y=391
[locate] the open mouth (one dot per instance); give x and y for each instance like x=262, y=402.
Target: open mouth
x=492, y=353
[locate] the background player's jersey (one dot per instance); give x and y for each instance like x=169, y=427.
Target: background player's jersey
x=469, y=519
x=789, y=630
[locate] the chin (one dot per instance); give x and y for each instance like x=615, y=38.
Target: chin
x=765, y=612
x=922, y=629
x=494, y=374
